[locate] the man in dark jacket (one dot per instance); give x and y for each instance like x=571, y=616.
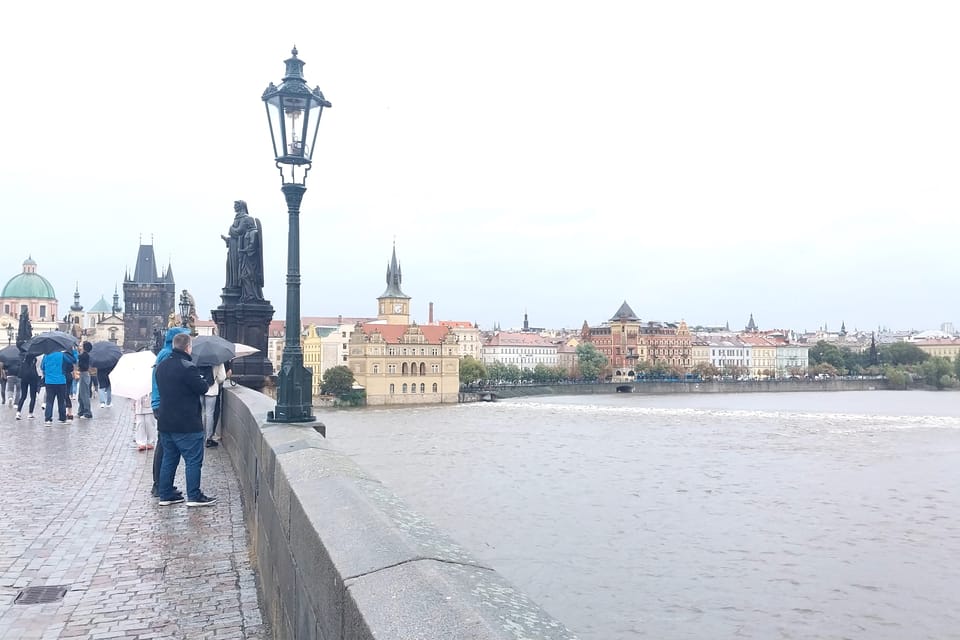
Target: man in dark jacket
x=180, y=423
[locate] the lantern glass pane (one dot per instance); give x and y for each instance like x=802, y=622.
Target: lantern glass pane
x=294, y=108
x=276, y=129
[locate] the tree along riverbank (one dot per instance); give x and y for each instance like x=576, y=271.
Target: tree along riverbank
x=661, y=387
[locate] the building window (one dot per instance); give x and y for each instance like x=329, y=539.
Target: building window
x=404, y=371
x=393, y=389
x=344, y=357
x=376, y=368
x=404, y=387
x=423, y=368
x=434, y=387
x=43, y=311
x=423, y=388
x=435, y=368
x=391, y=368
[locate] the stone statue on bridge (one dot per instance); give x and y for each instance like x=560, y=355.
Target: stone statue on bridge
x=245, y=254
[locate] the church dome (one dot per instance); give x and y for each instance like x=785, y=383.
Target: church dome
x=29, y=284
x=102, y=306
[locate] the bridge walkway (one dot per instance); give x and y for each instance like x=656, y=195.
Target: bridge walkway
x=76, y=514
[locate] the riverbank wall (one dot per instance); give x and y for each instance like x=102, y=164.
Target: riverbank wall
x=651, y=387
x=339, y=557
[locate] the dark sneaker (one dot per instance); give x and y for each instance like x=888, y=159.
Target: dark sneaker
x=176, y=499
x=212, y=443
x=156, y=494
x=202, y=501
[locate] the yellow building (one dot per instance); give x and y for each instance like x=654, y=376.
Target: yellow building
x=944, y=348
x=397, y=362
x=763, y=355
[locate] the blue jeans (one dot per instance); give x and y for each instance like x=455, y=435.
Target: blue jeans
x=106, y=395
x=190, y=447
x=56, y=392
x=83, y=397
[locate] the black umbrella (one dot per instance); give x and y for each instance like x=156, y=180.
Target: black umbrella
x=50, y=342
x=9, y=355
x=209, y=351
x=24, y=329
x=105, y=355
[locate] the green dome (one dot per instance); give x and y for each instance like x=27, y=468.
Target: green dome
x=101, y=307
x=28, y=285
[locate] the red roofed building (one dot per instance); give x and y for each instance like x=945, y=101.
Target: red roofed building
x=401, y=363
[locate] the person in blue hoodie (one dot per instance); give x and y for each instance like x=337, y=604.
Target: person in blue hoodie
x=155, y=401
x=55, y=382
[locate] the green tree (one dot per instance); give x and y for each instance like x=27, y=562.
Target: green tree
x=902, y=353
x=936, y=371
x=706, y=370
x=592, y=362
x=471, y=370
x=337, y=381
x=897, y=378
x=826, y=353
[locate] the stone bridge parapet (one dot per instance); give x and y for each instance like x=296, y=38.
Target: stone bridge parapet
x=341, y=558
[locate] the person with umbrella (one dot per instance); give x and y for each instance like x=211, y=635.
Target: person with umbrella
x=29, y=382
x=55, y=382
x=12, y=368
x=83, y=395
x=181, y=425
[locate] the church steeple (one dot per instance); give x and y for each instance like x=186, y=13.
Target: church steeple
x=751, y=326
x=76, y=307
x=394, y=304
x=116, y=302
x=394, y=278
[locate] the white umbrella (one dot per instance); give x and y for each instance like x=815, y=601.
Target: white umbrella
x=244, y=350
x=132, y=377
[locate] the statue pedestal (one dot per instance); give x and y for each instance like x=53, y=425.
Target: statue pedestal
x=247, y=323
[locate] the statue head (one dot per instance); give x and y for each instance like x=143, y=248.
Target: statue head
x=240, y=207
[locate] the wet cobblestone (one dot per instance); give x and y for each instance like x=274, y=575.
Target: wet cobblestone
x=77, y=512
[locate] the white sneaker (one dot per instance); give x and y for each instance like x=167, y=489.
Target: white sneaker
x=18, y=415
x=102, y=405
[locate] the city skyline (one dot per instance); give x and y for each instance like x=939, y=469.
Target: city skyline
x=701, y=162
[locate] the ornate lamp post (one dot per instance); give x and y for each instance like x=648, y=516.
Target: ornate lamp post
x=9, y=334
x=184, y=309
x=293, y=111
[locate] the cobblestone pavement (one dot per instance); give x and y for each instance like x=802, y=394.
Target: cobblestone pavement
x=77, y=513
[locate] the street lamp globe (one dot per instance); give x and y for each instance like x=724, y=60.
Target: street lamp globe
x=184, y=309
x=293, y=113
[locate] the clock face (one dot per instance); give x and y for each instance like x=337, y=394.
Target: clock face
x=398, y=308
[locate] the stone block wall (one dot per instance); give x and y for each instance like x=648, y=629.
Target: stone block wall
x=340, y=557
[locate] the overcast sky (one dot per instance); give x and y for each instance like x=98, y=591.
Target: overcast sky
x=701, y=160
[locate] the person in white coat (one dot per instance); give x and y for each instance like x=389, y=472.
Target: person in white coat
x=214, y=375
x=144, y=424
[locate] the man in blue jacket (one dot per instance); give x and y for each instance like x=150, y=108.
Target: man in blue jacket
x=55, y=382
x=181, y=423
x=162, y=355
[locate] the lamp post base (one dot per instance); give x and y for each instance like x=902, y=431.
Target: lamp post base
x=294, y=394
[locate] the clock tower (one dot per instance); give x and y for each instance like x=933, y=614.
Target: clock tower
x=394, y=304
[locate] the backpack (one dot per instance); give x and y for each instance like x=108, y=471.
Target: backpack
x=207, y=373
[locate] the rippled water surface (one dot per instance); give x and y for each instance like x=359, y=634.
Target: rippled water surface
x=795, y=515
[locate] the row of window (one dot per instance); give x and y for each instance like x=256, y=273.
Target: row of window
x=23, y=307
x=413, y=388
x=411, y=369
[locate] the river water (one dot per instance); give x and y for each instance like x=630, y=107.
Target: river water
x=762, y=515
